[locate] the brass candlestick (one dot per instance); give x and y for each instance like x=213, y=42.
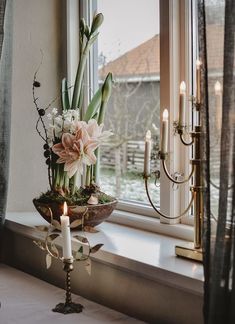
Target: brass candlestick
x=68, y=307
x=190, y=250
x=52, y=232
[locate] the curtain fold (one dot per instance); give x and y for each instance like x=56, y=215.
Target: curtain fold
x=219, y=245
x=6, y=21
x=205, y=123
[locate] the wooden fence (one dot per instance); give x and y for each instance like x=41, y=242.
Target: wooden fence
x=130, y=155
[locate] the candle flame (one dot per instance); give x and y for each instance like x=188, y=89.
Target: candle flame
x=182, y=87
x=148, y=135
x=198, y=64
x=65, y=208
x=165, y=114
x=218, y=88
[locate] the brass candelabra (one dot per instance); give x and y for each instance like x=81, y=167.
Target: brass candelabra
x=190, y=250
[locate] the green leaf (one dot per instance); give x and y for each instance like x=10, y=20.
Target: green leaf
x=56, y=224
x=93, y=39
x=82, y=26
x=42, y=228
x=41, y=245
x=106, y=93
x=94, y=105
x=54, y=251
x=96, y=248
x=90, y=229
x=79, y=254
x=52, y=237
x=86, y=31
x=48, y=261
x=65, y=95
x=76, y=223
x=82, y=239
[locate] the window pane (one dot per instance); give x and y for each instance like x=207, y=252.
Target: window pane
x=128, y=46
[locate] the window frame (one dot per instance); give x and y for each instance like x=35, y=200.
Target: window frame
x=175, y=62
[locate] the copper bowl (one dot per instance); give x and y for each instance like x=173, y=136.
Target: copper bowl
x=93, y=214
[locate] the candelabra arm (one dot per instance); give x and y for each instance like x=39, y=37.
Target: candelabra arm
x=184, y=142
x=172, y=179
x=159, y=212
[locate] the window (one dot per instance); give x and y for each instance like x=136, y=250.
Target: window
x=132, y=51
x=129, y=47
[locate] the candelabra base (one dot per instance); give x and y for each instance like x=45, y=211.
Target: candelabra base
x=188, y=251
x=69, y=308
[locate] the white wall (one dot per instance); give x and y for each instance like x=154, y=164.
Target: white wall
x=37, y=25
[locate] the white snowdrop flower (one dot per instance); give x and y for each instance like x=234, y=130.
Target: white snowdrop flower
x=75, y=114
x=54, y=111
x=58, y=121
x=49, y=116
x=51, y=132
x=58, y=131
x=67, y=125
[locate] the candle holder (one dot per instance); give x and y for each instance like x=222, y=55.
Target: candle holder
x=191, y=250
x=68, y=307
x=82, y=253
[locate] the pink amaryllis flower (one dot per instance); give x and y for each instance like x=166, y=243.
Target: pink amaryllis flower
x=76, y=150
x=95, y=131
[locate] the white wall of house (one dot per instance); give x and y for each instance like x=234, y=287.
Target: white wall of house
x=38, y=25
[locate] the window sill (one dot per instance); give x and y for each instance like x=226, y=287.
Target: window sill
x=146, y=254
x=152, y=224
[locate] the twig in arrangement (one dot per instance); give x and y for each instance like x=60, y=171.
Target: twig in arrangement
x=38, y=131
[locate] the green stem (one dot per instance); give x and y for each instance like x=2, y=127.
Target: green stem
x=88, y=176
x=92, y=174
x=66, y=182
x=74, y=183
x=79, y=77
x=97, y=166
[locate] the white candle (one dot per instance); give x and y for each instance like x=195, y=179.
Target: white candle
x=164, y=142
x=147, y=153
x=218, y=104
x=198, y=81
x=182, y=104
x=66, y=236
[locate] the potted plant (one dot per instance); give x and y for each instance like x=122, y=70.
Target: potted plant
x=72, y=140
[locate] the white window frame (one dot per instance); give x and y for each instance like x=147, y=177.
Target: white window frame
x=175, y=60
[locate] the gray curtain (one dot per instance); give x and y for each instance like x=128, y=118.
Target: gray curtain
x=219, y=245
x=5, y=98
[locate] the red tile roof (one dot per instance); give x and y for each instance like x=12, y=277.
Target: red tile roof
x=145, y=58
x=142, y=60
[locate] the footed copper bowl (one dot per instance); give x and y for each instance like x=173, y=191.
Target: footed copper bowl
x=93, y=214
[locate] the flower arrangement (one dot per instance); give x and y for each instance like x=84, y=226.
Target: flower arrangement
x=72, y=136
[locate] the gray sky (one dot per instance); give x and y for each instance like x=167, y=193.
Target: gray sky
x=127, y=23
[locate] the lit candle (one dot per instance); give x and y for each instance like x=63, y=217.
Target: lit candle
x=218, y=104
x=65, y=231
x=198, y=80
x=164, y=142
x=147, y=153
x=182, y=104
